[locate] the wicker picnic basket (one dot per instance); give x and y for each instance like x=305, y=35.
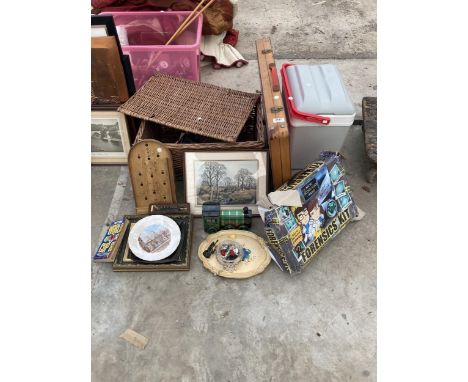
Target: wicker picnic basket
x=193, y=107
x=194, y=116
x=252, y=137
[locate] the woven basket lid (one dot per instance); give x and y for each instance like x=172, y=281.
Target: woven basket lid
x=190, y=106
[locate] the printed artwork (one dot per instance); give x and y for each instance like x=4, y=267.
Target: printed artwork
x=335, y=173
x=340, y=188
x=310, y=218
x=344, y=201
x=331, y=208
x=154, y=238
x=230, y=182
x=105, y=135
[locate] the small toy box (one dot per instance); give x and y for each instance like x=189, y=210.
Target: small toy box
x=320, y=110
x=308, y=212
x=142, y=36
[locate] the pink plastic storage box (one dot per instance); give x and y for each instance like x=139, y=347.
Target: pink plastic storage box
x=142, y=36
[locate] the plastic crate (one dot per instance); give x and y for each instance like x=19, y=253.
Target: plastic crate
x=142, y=36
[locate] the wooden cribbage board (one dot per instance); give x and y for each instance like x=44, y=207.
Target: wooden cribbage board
x=152, y=174
x=276, y=122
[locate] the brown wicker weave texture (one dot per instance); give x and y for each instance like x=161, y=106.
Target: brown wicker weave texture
x=194, y=107
x=252, y=137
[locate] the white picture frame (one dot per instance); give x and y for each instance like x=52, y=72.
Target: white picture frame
x=110, y=142
x=243, y=180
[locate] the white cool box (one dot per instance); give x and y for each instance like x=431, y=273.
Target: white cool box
x=319, y=108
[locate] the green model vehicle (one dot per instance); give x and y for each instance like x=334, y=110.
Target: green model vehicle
x=215, y=218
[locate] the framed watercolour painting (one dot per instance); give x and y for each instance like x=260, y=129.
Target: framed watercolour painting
x=109, y=138
x=233, y=178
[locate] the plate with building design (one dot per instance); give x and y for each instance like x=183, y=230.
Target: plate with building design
x=154, y=238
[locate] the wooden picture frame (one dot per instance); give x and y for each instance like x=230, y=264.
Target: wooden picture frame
x=126, y=261
x=108, y=81
x=108, y=144
x=103, y=25
x=232, y=187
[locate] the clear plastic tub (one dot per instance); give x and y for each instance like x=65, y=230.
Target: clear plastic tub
x=142, y=36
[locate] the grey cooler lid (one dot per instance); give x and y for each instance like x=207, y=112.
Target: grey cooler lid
x=319, y=89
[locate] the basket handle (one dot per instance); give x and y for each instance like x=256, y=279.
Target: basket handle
x=306, y=116
x=274, y=77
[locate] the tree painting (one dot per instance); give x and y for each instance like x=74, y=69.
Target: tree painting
x=241, y=178
x=212, y=174
x=229, y=182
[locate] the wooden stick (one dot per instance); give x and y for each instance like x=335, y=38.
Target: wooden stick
x=179, y=32
x=187, y=19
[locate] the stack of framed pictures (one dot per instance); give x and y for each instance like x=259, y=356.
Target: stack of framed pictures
x=111, y=85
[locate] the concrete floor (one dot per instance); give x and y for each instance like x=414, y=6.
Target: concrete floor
x=317, y=326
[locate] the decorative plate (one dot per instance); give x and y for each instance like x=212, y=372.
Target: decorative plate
x=255, y=257
x=154, y=237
